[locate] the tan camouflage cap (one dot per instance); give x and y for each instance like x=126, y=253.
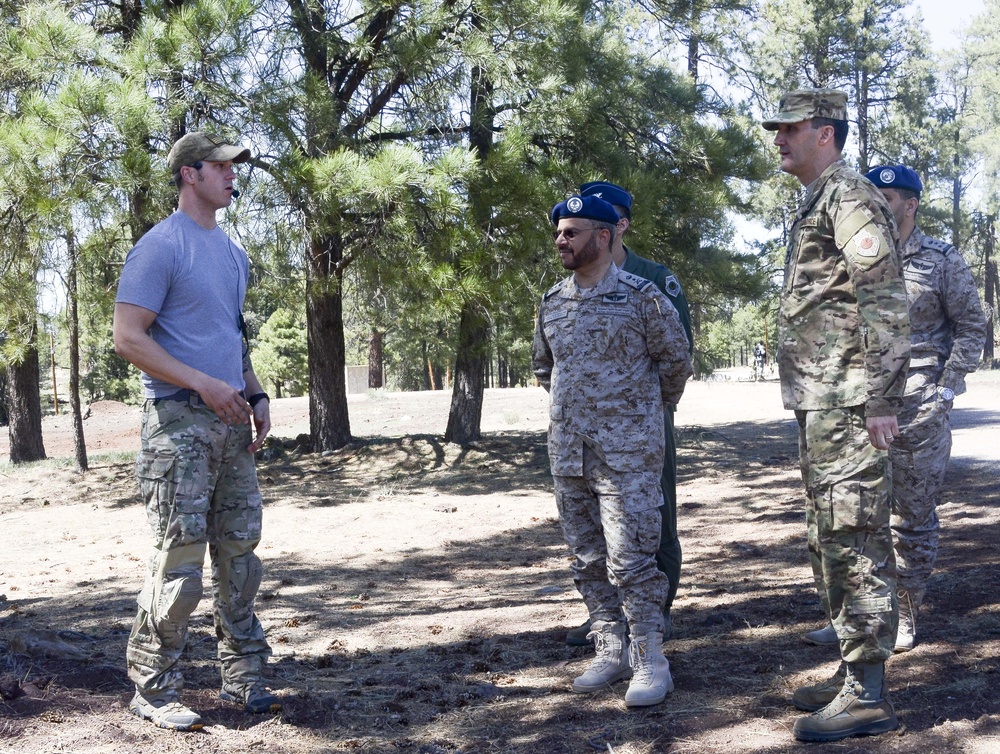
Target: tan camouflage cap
x=806, y=104
x=199, y=146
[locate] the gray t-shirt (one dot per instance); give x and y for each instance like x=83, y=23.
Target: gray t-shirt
x=195, y=280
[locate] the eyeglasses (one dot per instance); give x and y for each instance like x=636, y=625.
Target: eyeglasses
x=570, y=233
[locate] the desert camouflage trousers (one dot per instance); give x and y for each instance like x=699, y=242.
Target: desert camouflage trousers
x=919, y=457
x=847, y=518
x=611, y=522
x=200, y=489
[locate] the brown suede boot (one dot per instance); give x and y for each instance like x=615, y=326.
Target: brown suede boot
x=860, y=709
x=818, y=695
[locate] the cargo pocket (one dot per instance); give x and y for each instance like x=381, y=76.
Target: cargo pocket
x=157, y=477
x=858, y=506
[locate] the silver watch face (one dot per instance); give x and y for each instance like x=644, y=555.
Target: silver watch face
x=947, y=394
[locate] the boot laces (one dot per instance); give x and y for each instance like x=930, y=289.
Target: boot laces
x=642, y=667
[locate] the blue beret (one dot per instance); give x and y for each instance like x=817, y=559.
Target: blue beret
x=895, y=177
x=609, y=192
x=585, y=207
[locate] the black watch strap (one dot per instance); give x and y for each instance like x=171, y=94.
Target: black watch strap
x=256, y=398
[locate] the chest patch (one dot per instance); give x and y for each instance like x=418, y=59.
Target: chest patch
x=866, y=244
x=614, y=298
x=921, y=266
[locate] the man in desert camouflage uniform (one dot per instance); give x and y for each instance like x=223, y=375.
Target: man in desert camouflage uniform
x=178, y=318
x=842, y=353
x=611, y=350
x=947, y=333
x=668, y=556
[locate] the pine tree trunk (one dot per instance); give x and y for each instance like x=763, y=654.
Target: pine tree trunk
x=329, y=422
x=465, y=416
x=24, y=407
x=375, y=359
x=79, y=443
x=990, y=268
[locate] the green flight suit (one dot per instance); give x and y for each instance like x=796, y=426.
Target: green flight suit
x=668, y=557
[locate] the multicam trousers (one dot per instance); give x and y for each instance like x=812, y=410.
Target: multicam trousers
x=200, y=488
x=847, y=518
x=919, y=457
x=611, y=522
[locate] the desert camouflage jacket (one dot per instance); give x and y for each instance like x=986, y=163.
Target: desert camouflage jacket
x=610, y=356
x=844, y=336
x=947, y=324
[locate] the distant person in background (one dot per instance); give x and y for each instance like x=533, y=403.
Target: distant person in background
x=668, y=555
x=759, y=358
x=611, y=351
x=842, y=353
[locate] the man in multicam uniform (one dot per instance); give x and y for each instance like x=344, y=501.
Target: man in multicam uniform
x=611, y=350
x=178, y=318
x=947, y=334
x=842, y=354
x=668, y=556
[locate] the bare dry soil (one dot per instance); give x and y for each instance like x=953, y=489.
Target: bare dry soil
x=417, y=594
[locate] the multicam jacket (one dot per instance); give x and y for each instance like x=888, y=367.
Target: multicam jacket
x=844, y=336
x=947, y=324
x=610, y=356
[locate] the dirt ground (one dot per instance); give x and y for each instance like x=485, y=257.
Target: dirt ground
x=417, y=594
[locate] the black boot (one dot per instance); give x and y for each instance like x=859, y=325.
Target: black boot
x=860, y=709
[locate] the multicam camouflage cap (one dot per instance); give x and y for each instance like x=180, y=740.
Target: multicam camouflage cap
x=806, y=104
x=199, y=146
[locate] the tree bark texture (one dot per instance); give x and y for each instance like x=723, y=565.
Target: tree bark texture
x=376, y=375
x=466, y=413
x=329, y=422
x=24, y=407
x=79, y=442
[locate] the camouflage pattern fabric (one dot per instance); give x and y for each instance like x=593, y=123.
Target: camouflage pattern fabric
x=947, y=324
x=668, y=556
x=843, y=327
x=611, y=522
x=948, y=331
x=611, y=356
x=200, y=489
x=847, y=522
x=843, y=348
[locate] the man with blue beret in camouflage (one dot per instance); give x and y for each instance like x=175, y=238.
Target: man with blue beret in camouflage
x=611, y=350
x=668, y=556
x=843, y=348
x=947, y=334
x=178, y=318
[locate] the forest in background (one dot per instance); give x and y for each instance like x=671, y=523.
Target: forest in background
x=406, y=155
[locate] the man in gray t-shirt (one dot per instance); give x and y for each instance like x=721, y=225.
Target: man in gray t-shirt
x=178, y=319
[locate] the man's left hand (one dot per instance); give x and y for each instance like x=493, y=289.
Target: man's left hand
x=262, y=422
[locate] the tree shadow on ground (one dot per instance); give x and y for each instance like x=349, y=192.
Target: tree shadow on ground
x=736, y=653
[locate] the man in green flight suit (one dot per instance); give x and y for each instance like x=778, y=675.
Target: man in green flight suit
x=668, y=556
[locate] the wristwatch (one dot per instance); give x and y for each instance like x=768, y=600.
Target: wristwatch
x=946, y=393
x=253, y=400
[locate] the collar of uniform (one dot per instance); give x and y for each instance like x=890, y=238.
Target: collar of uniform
x=606, y=284
x=814, y=189
x=913, y=243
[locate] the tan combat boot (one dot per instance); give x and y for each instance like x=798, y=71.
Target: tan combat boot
x=651, y=681
x=610, y=663
x=860, y=709
x=818, y=695
x=906, y=633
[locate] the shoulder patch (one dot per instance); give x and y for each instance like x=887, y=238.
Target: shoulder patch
x=937, y=245
x=673, y=286
x=634, y=281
